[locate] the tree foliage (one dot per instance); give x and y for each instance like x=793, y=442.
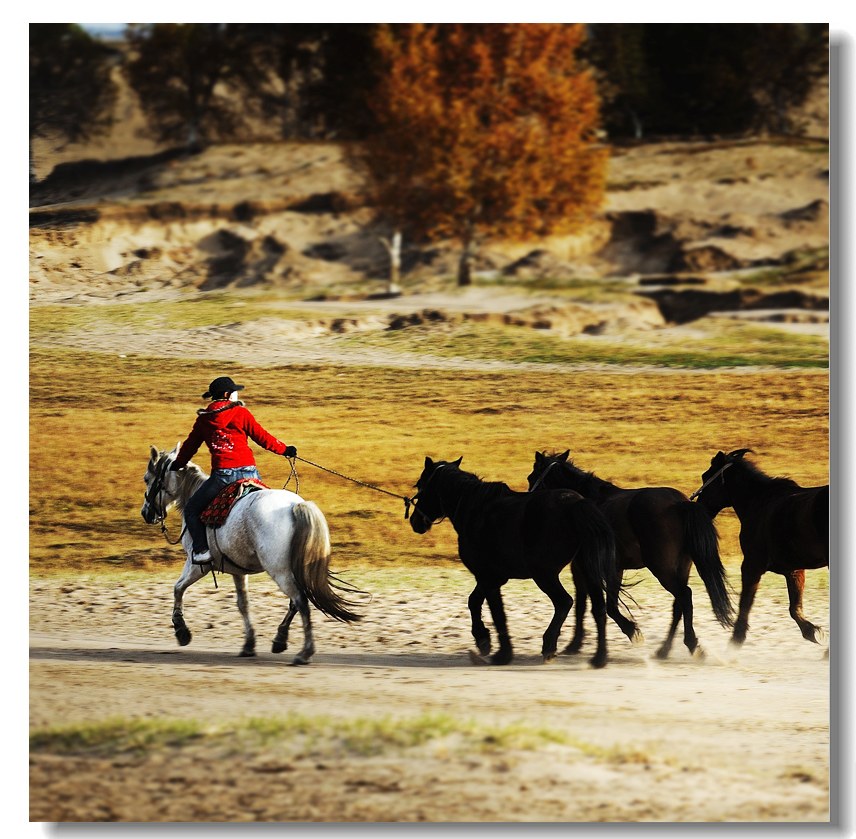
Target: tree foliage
x=195, y=81
x=705, y=78
x=312, y=77
x=72, y=93
x=484, y=130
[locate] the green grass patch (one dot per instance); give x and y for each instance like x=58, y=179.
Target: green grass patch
x=360, y=737
x=726, y=345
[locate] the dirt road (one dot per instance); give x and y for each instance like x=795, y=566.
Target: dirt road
x=735, y=736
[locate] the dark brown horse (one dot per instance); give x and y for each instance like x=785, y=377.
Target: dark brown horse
x=657, y=528
x=503, y=535
x=784, y=528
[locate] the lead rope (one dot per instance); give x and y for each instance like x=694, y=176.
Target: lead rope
x=407, y=501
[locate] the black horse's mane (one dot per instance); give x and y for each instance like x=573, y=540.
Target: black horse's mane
x=757, y=476
x=589, y=484
x=480, y=490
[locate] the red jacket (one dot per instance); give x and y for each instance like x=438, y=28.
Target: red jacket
x=224, y=427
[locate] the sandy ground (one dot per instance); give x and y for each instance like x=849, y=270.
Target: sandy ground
x=738, y=736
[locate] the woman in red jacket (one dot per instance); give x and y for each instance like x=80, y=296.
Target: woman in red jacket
x=224, y=427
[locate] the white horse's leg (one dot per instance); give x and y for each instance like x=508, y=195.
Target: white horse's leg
x=280, y=643
x=249, y=648
x=189, y=575
x=308, y=642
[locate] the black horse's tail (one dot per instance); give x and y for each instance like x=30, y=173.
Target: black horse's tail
x=701, y=542
x=596, y=555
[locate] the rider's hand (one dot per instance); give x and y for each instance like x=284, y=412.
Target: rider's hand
x=290, y=451
x=173, y=467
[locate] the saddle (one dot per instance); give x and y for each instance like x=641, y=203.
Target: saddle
x=216, y=513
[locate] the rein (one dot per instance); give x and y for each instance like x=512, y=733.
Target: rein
x=709, y=481
x=407, y=501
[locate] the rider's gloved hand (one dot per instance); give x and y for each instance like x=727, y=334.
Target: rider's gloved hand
x=290, y=451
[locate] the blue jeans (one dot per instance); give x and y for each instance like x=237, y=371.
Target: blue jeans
x=205, y=495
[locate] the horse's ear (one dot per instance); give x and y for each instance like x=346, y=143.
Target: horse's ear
x=539, y=457
x=458, y=461
x=428, y=462
x=563, y=457
x=738, y=454
x=154, y=453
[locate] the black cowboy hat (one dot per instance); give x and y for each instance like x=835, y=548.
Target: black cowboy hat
x=221, y=386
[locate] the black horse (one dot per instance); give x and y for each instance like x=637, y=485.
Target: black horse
x=503, y=535
x=784, y=528
x=657, y=528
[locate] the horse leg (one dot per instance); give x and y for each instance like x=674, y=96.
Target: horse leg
x=280, y=642
x=581, y=592
x=629, y=627
x=796, y=583
x=750, y=579
x=682, y=607
x=480, y=631
x=189, y=575
x=690, y=639
x=249, y=648
x=598, y=610
x=562, y=602
x=504, y=654
x=308, y=642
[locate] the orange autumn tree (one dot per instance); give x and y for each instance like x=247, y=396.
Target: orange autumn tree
x=484, y=131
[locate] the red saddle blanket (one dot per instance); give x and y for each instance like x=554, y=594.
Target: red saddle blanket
x=217, y=511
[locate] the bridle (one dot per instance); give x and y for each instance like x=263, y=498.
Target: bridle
x=153, y=491
x=414, y=497
x=710, y=480
x=543, y=475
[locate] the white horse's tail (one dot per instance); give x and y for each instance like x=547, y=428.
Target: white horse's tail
x=310, y=563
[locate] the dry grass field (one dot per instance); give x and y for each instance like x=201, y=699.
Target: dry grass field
x=391, y=722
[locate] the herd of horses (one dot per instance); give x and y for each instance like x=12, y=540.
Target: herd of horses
x=567, y=517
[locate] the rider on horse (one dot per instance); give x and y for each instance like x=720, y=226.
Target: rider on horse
x=224, y=427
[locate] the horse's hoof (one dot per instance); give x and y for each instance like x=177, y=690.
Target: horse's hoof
x=598, y=662
x=698, y=653
x=501, y=658
x=572, y=648
x=183, y=636
x=483, y=645
x=637, y=638
x=299, y=660
x=278, y=646
x=475, y=658
x=549, y=658
x=663, y=653
x=245, y=653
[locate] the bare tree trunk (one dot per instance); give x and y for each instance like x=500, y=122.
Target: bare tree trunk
x=465, y=264
x=394, y=250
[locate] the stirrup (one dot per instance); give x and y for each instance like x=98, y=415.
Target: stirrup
x=201, y=558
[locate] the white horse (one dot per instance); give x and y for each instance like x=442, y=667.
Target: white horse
x=271, y=530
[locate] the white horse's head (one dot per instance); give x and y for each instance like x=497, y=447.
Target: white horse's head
x=161, y=485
